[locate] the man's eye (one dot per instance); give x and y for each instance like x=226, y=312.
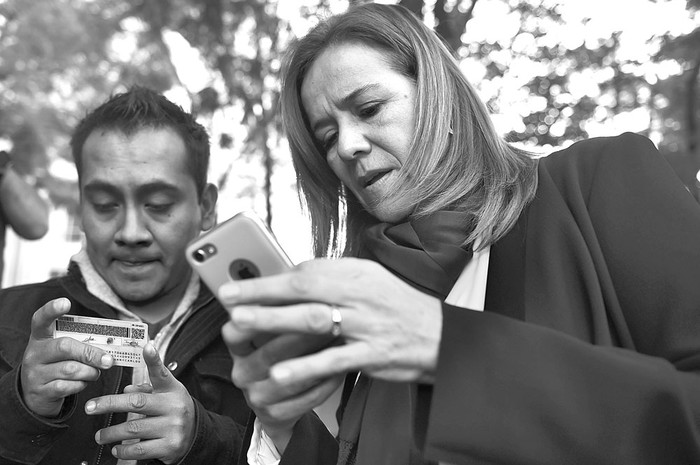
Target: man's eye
x=105, y=207
x=159, y=207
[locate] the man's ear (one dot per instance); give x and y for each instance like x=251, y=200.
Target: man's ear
x=208, y=206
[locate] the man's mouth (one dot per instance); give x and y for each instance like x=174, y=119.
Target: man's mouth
x=134, y=263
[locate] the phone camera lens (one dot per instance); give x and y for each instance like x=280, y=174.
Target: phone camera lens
x=203, y=253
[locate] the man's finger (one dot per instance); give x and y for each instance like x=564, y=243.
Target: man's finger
x=42, y=320
x=136, y=427
x=142, y=450
x=133, y=402
x=65, y=349
x=145, y=387
x=161, y=378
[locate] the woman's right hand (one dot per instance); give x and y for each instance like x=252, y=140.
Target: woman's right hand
x=277, y=406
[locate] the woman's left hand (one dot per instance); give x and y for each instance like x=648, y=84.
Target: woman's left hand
x=278, y=406
x=389, y=330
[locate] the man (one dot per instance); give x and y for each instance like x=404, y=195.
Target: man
x=21, y=206
x=142, y=165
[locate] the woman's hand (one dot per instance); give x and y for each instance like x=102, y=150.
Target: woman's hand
x=277, y=406
x=389, y=330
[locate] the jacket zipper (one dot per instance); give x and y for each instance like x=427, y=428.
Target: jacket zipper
x=111, y=414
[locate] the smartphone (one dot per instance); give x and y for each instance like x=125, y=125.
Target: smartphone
x=242, y=247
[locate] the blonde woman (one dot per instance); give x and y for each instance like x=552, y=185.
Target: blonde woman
x=499, y=308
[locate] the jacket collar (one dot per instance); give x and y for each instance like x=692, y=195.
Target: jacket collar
x=75, y=283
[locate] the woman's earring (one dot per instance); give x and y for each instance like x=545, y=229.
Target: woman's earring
x=450, y=130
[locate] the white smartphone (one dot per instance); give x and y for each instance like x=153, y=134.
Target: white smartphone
x=242, y=247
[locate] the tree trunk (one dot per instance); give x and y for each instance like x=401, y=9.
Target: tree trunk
x=416, y=6
x=693, y=137
x=451, y=26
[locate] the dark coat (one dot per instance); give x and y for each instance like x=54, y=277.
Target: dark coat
x=588, y=351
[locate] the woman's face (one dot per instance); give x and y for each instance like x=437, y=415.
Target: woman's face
x=361, y=112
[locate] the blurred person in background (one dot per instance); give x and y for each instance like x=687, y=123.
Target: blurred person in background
x=500, y=308
x=21, y=206
x=142, y=169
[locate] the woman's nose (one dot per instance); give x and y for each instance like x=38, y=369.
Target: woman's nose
x=352, y=142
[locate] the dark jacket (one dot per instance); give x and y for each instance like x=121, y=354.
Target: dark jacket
x=197, y=355
x=588, y=351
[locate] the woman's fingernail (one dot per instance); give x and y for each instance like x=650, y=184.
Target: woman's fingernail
x=280, y=374
x=90, y=406
x=229, y=292
x=242, y=317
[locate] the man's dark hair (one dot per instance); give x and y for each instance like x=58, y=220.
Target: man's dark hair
x=141, y=108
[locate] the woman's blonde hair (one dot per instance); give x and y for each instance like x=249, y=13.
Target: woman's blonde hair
x=457, y=162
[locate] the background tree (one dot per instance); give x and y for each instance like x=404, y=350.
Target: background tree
x=547, y=79
x=580, y=84
x=677, y=102
x=239, y=41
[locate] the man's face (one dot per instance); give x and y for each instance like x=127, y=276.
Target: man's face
x=139, y=209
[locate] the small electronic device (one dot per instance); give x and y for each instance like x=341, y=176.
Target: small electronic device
x=242, y=247
x=123, y=340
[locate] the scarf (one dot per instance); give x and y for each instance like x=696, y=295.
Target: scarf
x=378, y=417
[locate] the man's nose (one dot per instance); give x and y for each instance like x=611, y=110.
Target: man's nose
x=134, y=228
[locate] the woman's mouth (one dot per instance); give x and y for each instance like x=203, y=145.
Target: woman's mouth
x=369, y=180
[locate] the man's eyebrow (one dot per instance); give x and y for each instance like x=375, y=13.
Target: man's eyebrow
x=100, y=186
x=145, y=189
x=158, y=186
x=347, y=101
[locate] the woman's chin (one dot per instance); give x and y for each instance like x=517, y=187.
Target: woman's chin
x=390, y=213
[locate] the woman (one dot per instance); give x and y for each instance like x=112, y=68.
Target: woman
x=534, y=312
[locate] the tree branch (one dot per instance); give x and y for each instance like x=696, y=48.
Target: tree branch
x=452, y=25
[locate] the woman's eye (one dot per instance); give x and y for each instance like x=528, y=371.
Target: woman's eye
x=329, y=141
x=370, y=110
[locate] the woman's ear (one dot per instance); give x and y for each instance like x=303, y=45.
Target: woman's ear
x=208, y=206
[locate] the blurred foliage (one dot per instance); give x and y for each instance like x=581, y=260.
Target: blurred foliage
x=673, y=102
x=60, y=58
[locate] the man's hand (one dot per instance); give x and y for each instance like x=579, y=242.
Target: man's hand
x=164, y=425
x=53, y=369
